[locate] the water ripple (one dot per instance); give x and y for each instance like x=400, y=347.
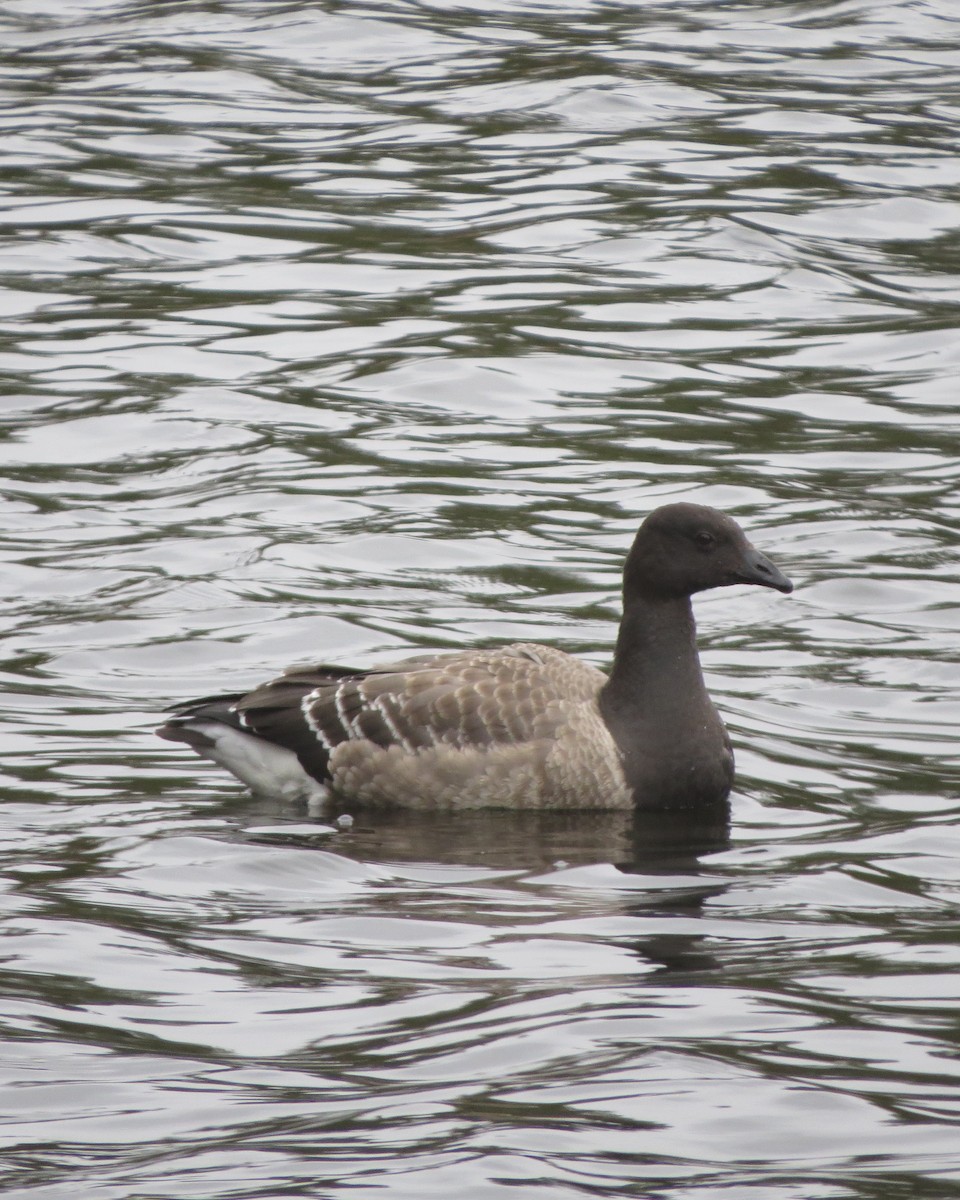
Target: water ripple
x=332, y=330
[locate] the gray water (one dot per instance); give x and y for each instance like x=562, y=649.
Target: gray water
x=333, y=329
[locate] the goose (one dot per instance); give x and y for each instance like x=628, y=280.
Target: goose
x=512, y=726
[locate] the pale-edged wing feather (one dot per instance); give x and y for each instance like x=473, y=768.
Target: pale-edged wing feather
x=476, y=699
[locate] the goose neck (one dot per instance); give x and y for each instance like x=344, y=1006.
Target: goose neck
x=656, y=665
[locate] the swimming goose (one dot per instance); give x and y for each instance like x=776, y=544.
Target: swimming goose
x=518, y=726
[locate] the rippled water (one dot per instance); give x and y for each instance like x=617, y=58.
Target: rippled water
x=331, y=329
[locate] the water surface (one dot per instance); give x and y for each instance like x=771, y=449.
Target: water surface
x=335, y=329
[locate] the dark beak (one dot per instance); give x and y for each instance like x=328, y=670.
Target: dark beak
x=757, y=568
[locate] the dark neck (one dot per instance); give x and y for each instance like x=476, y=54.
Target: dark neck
x=670, y=736
x=656, y=666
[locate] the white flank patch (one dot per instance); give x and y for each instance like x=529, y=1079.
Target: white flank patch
x=262, y=766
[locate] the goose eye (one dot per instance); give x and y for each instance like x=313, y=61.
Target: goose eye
x=705, y=540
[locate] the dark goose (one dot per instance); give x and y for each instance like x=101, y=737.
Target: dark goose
x=518, y=726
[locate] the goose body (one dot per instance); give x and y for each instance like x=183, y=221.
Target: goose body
x=517, y=726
